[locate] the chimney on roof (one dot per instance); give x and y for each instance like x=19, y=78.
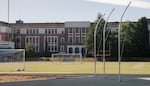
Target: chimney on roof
x=19, y=21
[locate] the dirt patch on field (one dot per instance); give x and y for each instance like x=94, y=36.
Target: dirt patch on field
x=13, y=78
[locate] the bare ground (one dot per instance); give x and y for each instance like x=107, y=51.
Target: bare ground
x=13, y=78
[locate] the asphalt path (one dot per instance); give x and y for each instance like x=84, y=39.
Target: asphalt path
x=88, y=80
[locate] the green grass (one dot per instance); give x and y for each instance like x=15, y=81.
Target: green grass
x=76, y=67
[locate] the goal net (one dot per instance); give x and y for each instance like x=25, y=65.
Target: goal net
x=65, y=57
x=12, y=60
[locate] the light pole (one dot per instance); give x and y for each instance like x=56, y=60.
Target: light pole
x=24, y=60
x=104, y=41
x=119, y=56
x=95, y=59
x=8, y=35
x=8, y=11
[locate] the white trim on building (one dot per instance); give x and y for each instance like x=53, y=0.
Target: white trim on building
x=40, y=30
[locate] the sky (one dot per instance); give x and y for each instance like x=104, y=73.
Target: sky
x=72, y=10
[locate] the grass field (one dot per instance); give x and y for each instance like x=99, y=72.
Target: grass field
x=75, y=67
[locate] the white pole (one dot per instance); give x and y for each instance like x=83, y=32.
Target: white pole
x=8, y=11
x=104, y=41
x=24, y=60
x=119, y=56
x=95, y=59
x=81, y=58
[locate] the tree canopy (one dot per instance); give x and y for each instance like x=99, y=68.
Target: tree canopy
x=134, y=39
x=30, y=50
x=142, y=37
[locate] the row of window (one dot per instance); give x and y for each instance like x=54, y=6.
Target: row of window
x=36, y=31
x=76, y=50
x=50, y=48
x=76, y=40
x=32, y=39
x=53, y=48
x=51, y=39
x=77, y=30
x=35, y=39
x=32, y=31
x=50, y=31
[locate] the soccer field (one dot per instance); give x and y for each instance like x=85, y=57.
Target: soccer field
x=75, y=67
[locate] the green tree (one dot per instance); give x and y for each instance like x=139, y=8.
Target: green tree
x=142, y=37
x=127, y=39
x=134, y=39
x=114, y=45
x=30, y=50
x=128, y=42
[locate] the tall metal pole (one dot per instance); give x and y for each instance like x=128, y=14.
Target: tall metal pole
x=8, y=11
x=95, y=59
x=119, y=56
x=8, y=21
x=104, y=41
x=24, y=60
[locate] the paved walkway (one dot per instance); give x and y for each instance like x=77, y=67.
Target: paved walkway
x=88, y=80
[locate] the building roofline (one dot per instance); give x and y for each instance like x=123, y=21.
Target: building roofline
x=3, y=23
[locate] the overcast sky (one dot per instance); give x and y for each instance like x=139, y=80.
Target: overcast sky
x=72, y=10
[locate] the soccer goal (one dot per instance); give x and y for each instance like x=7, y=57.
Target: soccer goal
x=12, y=60
x=65, y=57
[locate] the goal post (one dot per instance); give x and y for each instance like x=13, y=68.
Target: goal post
x=12, y=58
x=66, y=57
